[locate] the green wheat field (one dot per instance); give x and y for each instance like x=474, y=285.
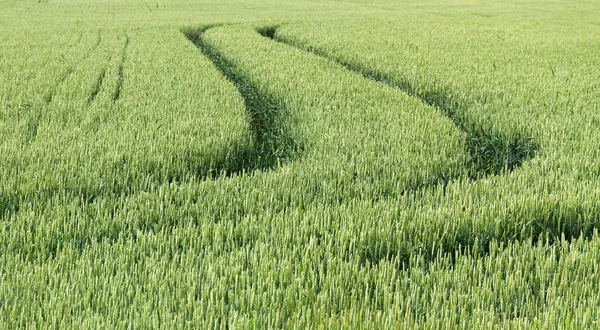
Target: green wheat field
x=299, y=164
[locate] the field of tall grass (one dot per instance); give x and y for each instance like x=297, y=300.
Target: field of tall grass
x=299, y=164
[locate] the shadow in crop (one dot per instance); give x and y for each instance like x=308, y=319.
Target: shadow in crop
x=492, y=152
x=8, y=204
x=543, y=225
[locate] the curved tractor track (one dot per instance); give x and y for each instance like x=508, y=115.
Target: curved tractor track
x=489, y=152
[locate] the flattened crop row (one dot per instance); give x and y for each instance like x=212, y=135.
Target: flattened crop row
x=84, y=144
x=349, y=130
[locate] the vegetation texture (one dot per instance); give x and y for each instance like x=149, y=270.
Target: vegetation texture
x=299, y=164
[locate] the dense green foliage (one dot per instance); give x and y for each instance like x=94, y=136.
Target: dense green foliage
x=297, y=164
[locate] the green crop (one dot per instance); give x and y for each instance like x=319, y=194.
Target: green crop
x=298, y=164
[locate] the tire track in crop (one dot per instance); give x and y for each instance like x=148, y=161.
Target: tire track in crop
x=31, y=120
x=34, y=117
x=261, y=110
x=244, y=160
x=273, y=144
x=29, y=117
x=69, y=71
x=492, y=152
x=258, y=104
x=117, y=92
x=97, y=86
x=270, y=149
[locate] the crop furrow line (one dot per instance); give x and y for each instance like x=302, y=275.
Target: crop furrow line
x=117, y=93
x=272, y=145
x=48, y=98
x=491, y=151
x=97, y=86
x=67, y=73
x=262, y=108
